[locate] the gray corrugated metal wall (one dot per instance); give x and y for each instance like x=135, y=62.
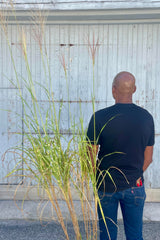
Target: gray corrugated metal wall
x=134, y=48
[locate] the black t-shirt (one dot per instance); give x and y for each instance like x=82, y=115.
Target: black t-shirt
x=123, y=131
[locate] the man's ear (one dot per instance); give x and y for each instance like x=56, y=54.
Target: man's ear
x=114, y=92
x=134, y=89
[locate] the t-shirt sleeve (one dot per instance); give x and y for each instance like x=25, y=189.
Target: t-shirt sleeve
x=151, y=139
x=93, y=131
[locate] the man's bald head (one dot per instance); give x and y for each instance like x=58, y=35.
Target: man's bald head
x=123, y=85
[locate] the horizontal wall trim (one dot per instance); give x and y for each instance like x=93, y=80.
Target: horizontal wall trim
x=155, y=21
x=33, y=193
x=81, y=4
x=89, y=17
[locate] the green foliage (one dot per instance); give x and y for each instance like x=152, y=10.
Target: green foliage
x=50, y=159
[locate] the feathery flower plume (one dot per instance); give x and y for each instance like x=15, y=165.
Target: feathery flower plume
x=93, y=47
x=23, y=44
x=39, y=26
x=63, y=63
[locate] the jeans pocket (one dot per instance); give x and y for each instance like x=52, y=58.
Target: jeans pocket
x=139, y=201
x=105, y=197
x=139, y=195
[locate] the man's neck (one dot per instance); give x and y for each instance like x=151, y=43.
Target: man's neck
x=123, y=100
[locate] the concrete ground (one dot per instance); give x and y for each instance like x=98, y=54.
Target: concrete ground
x=34, y=230
x=35, y=210
x=25, y=225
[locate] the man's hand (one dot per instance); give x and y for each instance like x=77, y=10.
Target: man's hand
x=148, y=153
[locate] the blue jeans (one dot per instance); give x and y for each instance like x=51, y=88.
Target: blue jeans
x=131, y=203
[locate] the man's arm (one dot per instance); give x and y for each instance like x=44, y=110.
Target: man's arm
x=92, y=151
x=148, y=153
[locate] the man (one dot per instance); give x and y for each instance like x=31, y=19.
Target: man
x=124, y=133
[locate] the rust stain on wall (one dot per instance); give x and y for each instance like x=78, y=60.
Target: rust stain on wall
x=64, y=45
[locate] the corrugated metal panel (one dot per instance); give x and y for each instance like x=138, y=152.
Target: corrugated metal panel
x=10, y=125
x=133, y=48
x=9, y=100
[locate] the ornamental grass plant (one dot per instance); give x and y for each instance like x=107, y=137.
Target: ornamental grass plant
x=49, y=159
